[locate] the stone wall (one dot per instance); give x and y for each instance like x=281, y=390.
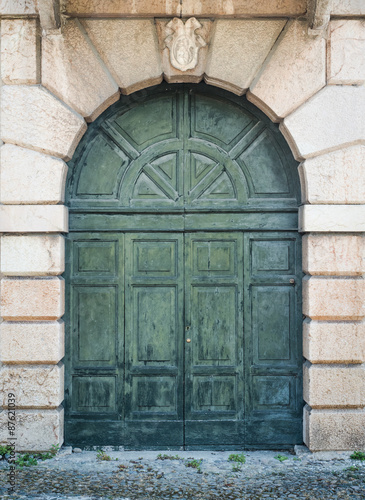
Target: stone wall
x=55, y=81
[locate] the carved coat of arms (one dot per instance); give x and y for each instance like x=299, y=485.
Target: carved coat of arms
x=183, y=43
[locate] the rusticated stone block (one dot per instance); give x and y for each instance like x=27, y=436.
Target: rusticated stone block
x=326, y=430
x=36, y=430
x=74, y=73
x=33, y=218
x=138, y=65
x=347, y=7
x=32, y=343
x=33, y=386
x=32, y=299
x=346, y=60
x=334, y=342
x=332, y=386
x=28, y=177
x=330, y=120
x=34, y=118
x=295, y=71
x=19, y=51
x=238, y=49
x=332, y=218
x=123, y=8
x=334, y=177
x=40, y=255
x=334, y=254
x=18, y=7
x=334, y=299
x=236, y=8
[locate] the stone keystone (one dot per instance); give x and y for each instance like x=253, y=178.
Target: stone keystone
x=183, y=43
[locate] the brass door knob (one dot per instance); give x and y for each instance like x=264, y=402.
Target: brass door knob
x=188, y=341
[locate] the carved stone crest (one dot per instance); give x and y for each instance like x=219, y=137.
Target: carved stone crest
x=183, y=43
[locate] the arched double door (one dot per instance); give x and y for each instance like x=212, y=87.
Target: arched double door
x=183, y=277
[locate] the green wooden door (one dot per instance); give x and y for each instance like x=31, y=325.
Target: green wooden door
x=183, y=277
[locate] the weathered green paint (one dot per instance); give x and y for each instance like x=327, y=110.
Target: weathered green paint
x=183, y=217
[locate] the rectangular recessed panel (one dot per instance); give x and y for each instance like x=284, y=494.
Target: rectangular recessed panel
x=271, y=391
x=214, y=393
x=155, y=258
x=271, y=256
x=96, y=323
x=271, y=322
x=214, y=323
x=214, y=258
x=94, y=394
x=155, y=320
x=154, y=394
x=95, y=257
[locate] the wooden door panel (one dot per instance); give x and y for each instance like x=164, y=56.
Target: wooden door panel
x=213, y=358
x=95, y=394
x=272, y=308
x=213, y=325
x=95, y=309
x=154, y=305
x=272, y=330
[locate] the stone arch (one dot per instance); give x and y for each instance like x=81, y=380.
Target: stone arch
x=82, y=71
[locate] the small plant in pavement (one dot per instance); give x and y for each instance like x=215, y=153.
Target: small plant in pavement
x=358, y=455
x=352, y=468
x=25, y=460
x=101, y=455
x=281, y=458
x=237, y=457
x=195, y=464
x=168, y=457
x=4, y=450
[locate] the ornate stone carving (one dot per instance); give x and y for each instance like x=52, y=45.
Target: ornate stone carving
x=183, y=43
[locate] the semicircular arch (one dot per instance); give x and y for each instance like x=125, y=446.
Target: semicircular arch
x=183, y=147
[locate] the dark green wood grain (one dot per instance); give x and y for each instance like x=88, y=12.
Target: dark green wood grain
x=183, y=225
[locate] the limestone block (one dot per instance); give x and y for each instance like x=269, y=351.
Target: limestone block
x=346, y=59
x=348, y=7
x=330, y=120
x=32, y=299
x=19, y=51
x=172, y=74
x=334, y=254
x=332, y=218
x=236, y=8
x=32, y=117
x=331, y=386
x=33, y=386
x=238, y=49
x=334, y=429
x=32, y=255
x=334, y=177
x=32, y=343
x=74, y=73
x=18, y=7
x=334, y=299
x=334, y=342
x=295, y=71
x=33, y=219
x=36, y=430
x=28, y=177
x=123, y=8
x=136, y=66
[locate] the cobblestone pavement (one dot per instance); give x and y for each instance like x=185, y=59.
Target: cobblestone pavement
x=189, y=475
